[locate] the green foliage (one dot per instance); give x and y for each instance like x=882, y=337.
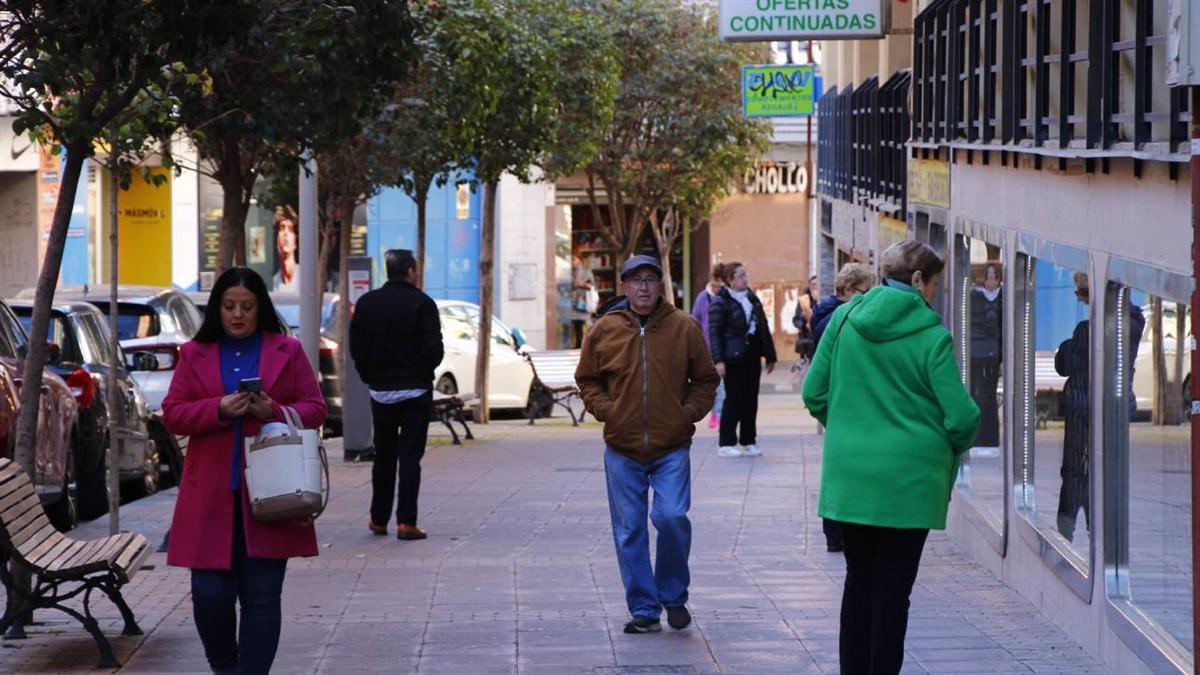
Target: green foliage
x=677, y=138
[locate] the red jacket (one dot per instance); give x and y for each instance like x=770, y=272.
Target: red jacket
x=202, y=529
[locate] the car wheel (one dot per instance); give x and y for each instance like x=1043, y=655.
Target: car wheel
x=64, y=513
x=150, y=470
x=170, y=457
x=447, y=385
x=93, y=493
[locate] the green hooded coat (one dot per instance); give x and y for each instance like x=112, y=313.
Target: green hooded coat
x=887, y=388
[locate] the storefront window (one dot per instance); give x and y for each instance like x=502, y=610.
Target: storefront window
x=981, y=343
x=1149, y=356
x=1054, y=462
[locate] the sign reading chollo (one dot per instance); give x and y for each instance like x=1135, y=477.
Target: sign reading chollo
x=776, y=178
x=758, y=20
x=779, y=91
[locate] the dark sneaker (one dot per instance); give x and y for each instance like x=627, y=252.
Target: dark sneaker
x=678, y=617
x=642, y=624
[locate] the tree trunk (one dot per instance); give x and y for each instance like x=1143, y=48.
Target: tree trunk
x=329, y=234
x=664, y=241
x=1181, y=353
x=487, y=246
x=343, y=306
x=422, y=199
x=116, y=411
x=39, y=328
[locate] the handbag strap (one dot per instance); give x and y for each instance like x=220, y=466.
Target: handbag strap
x=295, y=424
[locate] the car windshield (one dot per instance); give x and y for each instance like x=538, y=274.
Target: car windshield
x=291, y=314
x=133, y=321
x=57, y=330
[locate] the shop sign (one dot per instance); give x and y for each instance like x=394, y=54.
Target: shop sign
x=773, y=178
x=929, y=182
x=144, y=219
x=762, y=20
x=891, y=230
x=779, y=91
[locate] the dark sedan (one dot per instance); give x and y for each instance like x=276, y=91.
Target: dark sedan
x=54, y=468
x=81, y=332
x=288, y=306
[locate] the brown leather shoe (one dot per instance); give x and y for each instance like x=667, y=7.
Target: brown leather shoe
x=409, y=532
x=377, y=530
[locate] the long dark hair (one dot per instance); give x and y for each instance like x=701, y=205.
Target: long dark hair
x=268, y=320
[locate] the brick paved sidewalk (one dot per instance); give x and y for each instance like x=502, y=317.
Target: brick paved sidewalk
x=519, y=575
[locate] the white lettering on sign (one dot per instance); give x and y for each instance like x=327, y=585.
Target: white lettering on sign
x=773, y=178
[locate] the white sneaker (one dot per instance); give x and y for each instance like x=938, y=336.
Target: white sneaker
x=729, y=451
x=751, y=451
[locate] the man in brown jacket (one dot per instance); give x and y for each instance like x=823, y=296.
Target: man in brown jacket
x=645, y=372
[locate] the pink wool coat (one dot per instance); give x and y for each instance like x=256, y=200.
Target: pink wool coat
x=202, y=529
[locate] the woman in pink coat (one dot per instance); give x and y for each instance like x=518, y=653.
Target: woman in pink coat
x=233, y=557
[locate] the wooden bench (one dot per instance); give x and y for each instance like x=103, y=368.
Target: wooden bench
x=447, y=407
x=62, y=567
x=554, y=375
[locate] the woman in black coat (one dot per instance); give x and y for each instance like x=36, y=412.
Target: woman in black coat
x=741, y=339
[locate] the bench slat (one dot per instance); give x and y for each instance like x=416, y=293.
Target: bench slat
x=58, y=549
x=111, y=548
x=89, y=547
x=38, y=544
x=9, y=513
x=27, y=525
x=63, y=555
x=139, y=549
x=45, y=542
x=15, y=497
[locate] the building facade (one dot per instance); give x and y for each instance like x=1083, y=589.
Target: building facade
x=1039, y=149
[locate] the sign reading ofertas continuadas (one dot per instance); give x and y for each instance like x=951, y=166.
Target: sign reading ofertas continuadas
x=779, y=91
x=750, y=20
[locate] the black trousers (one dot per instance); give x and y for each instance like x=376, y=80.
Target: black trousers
x=985, y=374
x=400, y=433
x=881, y=567
x=739, y=416
x=1075, y=474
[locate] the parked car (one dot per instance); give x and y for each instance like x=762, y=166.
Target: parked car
x=157, y=321
x=149, y=319
x=288, y=306
x=54, y=467
x=81, y=332
x=200, y=299
x=510, y=375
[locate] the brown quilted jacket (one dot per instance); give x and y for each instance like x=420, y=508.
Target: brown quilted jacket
x=649, y=386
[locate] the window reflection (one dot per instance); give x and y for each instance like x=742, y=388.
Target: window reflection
x=1062, y=444
x=983, y=318
x=1157, y=459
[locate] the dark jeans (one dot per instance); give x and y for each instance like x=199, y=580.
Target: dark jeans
x=1075, y=491
x=881, y=567
x=739, y=416
x=400, y=433
x=833, y=532
x=246, y=647
x=985, y=374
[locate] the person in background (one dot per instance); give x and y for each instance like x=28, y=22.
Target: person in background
x=740, y=338
x=853, y=279
x=1072, y=362
x=645, y=373
x=886, y=385
x=700, y=314
x=987, y=336
x=582, y=281
x=396, y=342
x=802, y=319
x=234, y=558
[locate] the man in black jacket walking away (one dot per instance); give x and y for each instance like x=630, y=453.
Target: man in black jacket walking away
x=396, y=342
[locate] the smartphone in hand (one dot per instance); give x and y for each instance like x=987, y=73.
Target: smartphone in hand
x=251, y=385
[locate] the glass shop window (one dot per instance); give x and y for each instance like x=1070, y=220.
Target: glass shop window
x=981, y=337
x=1152, y=335
x=1055, y=468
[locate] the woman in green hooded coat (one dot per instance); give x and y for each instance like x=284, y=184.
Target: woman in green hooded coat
x=885, y=384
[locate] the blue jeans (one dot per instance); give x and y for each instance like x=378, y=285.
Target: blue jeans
x=257, y=583
x=647, y=591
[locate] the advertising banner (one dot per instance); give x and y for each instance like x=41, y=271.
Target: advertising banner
x=779, y=91
x=144, y=217
x=762, y=20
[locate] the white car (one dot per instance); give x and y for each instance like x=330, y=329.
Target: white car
x=510, y=374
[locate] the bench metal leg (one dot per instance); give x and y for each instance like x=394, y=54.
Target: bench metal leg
x=461, y=420
x=131, y=624
x=444, y=417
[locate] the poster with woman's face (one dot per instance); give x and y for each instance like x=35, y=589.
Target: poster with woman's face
x=287, y=239
x=791, y=300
